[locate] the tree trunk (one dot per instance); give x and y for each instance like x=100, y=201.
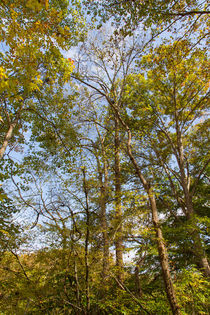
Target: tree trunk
x=7, y=138
x=87, y=210
x=200, y=255
x=138, y=283
x=103, y=200
x=201, y=259
x=118, y=208
x=163, y=256
x=171, y=294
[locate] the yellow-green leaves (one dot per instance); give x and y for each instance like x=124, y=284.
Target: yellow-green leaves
x=33, y=34
x=3, y=81
x=175, y=74
x=37, y=5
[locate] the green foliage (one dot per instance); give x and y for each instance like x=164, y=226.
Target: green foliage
x=193, y=291
x=188, y=17
x=9, y=229
x=64, y=136
x=31, y=62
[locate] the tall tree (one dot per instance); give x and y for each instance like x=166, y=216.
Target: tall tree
x=32, y=34
x=177, y=99
x=117, y=108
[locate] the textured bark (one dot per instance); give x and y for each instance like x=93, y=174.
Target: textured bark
x=159, y=236
x=160, y=240
x=163, y=255
x=118, y=207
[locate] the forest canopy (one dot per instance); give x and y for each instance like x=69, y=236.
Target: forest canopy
x=104, y=160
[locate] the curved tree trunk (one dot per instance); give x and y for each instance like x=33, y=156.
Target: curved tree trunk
x=7, y=138
x=162, y=250
x=171, y=294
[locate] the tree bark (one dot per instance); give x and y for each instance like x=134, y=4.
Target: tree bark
x=200, y=255
x=159, y=238
x=103, y=172
x=7, y=138
x=138, y=283
x=163, y=256
x=87, y=210
x=118, y=207
x=103, y=201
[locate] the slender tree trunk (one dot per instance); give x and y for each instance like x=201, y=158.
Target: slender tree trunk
x=87, y=286
x=160, y=241
x=7, y=138
x=163, y=256
x=199, y=252
x=103, y=201
x=138, y=283
x=118, y=207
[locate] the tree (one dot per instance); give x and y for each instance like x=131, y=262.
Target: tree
x=183, y=18
x=117, y=106
x=177, y=100
x=33, y=34
x=115, y=164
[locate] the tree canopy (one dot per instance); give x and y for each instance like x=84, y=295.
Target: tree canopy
x=104, y=162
